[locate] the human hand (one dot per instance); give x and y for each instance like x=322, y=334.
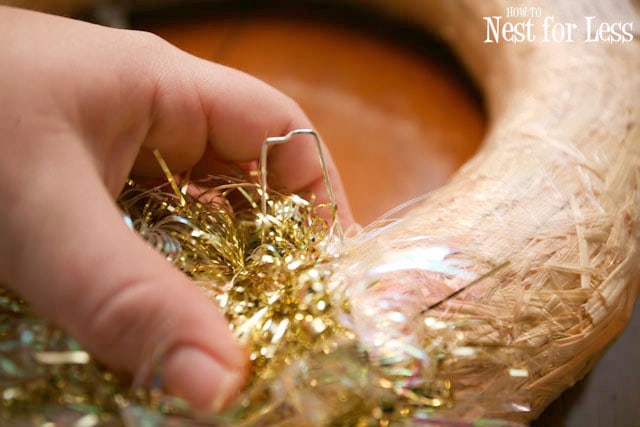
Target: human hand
x=82, y=106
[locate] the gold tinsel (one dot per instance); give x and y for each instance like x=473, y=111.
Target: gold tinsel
x=287, y=288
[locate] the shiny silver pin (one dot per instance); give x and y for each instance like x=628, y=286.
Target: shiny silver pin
x=276, y=140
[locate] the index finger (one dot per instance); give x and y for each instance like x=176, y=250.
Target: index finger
x=240, y=111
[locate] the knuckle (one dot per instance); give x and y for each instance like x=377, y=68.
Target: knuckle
x=124, y=326
x=147, y=41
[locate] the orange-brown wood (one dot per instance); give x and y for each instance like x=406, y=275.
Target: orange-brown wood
x=397, y=123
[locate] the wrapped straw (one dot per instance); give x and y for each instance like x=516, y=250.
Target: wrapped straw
x=485, y=300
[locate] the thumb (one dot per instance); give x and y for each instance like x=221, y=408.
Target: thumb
x=80, y=266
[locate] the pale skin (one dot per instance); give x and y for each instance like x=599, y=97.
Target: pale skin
x=82, y=108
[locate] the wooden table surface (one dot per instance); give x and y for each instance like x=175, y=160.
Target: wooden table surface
x=377, y=106
x=399, y=118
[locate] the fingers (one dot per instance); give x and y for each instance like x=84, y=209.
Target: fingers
x=120, y=299
x=237, y=113
x=65, y=248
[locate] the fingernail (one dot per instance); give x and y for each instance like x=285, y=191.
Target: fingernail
x=202, y=380
x=228, y=389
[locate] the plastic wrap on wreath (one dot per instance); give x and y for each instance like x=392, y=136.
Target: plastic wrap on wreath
x=360, y=333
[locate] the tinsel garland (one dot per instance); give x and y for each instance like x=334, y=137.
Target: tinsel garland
x=288, y=289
